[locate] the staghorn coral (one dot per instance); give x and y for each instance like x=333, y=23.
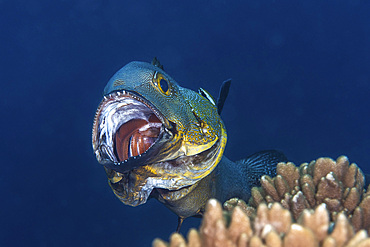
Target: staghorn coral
x=322, y=203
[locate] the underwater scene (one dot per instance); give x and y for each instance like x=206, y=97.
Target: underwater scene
x=121, y=117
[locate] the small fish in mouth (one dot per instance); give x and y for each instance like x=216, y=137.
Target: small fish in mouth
x=159, y=140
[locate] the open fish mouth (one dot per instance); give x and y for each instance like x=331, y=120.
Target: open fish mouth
x=128, y=131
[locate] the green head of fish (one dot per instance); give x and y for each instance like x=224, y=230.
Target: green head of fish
x=150, y=133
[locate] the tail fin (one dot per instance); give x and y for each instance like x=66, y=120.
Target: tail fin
x=261, y=163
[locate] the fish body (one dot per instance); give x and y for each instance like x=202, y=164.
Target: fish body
x=228, y=180
x=159, y=140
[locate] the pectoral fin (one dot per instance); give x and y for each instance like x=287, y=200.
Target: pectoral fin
x=262, y=163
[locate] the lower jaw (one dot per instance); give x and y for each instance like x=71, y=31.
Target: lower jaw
x=174, y=195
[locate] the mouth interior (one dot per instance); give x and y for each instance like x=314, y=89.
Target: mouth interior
x=136, y=136
x=125, y=126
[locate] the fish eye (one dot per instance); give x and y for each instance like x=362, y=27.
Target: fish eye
x=162, y=84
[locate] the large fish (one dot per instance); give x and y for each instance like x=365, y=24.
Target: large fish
x=159, y=140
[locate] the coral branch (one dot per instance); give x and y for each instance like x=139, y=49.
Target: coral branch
x=322, y=203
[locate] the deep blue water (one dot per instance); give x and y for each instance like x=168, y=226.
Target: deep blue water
x=301, y=84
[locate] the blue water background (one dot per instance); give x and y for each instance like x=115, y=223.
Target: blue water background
x=301, y=84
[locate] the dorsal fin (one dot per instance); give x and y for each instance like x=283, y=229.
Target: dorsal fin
x=156, y=63
x=224, y=91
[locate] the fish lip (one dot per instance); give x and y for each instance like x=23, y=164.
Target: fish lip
x=103, y=143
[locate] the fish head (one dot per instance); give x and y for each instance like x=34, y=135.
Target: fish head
x=150, y=133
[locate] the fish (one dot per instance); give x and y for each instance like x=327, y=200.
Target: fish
x=159, y=140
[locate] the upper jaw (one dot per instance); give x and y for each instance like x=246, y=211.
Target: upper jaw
x=144, y=131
